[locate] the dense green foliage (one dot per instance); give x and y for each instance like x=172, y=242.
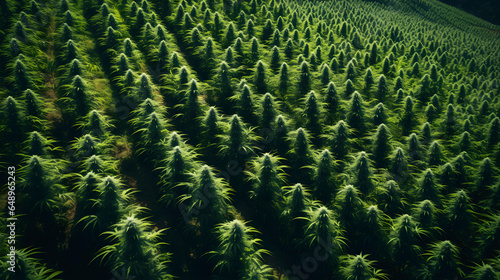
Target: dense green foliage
x=282, y=139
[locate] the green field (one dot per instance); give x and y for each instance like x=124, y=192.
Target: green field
x=282, y=139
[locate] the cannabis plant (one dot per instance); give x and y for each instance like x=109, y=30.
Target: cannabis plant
x=302, y=157
x=297, y=202
x=310, y=116
x=485, y=177
x=191, y=109
x=245, y=106
x=339, y=140
x=43, y=202
x=224, y=87
x=13, y=120
x=212, y=125
x=323, y=232
x=136, y=250
x=426, y=215
x=267, y=178
x=381, y=146
x=237, y=254
x=359, y=267
x=325, y=185
x=95, y=124
x=208, y=199
x=176, y=171
x=443, y=262
x=484, y=272
x=151, y=137
x=281, y=142
x=27, y=266
x=38, y=145
x=35, y=109
x=489, y=239
x=403, y=244
x=373, y=233
x=362, y=174
x=356, y=115
x=235, y=143
x=391, y=199
x=459, y=215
